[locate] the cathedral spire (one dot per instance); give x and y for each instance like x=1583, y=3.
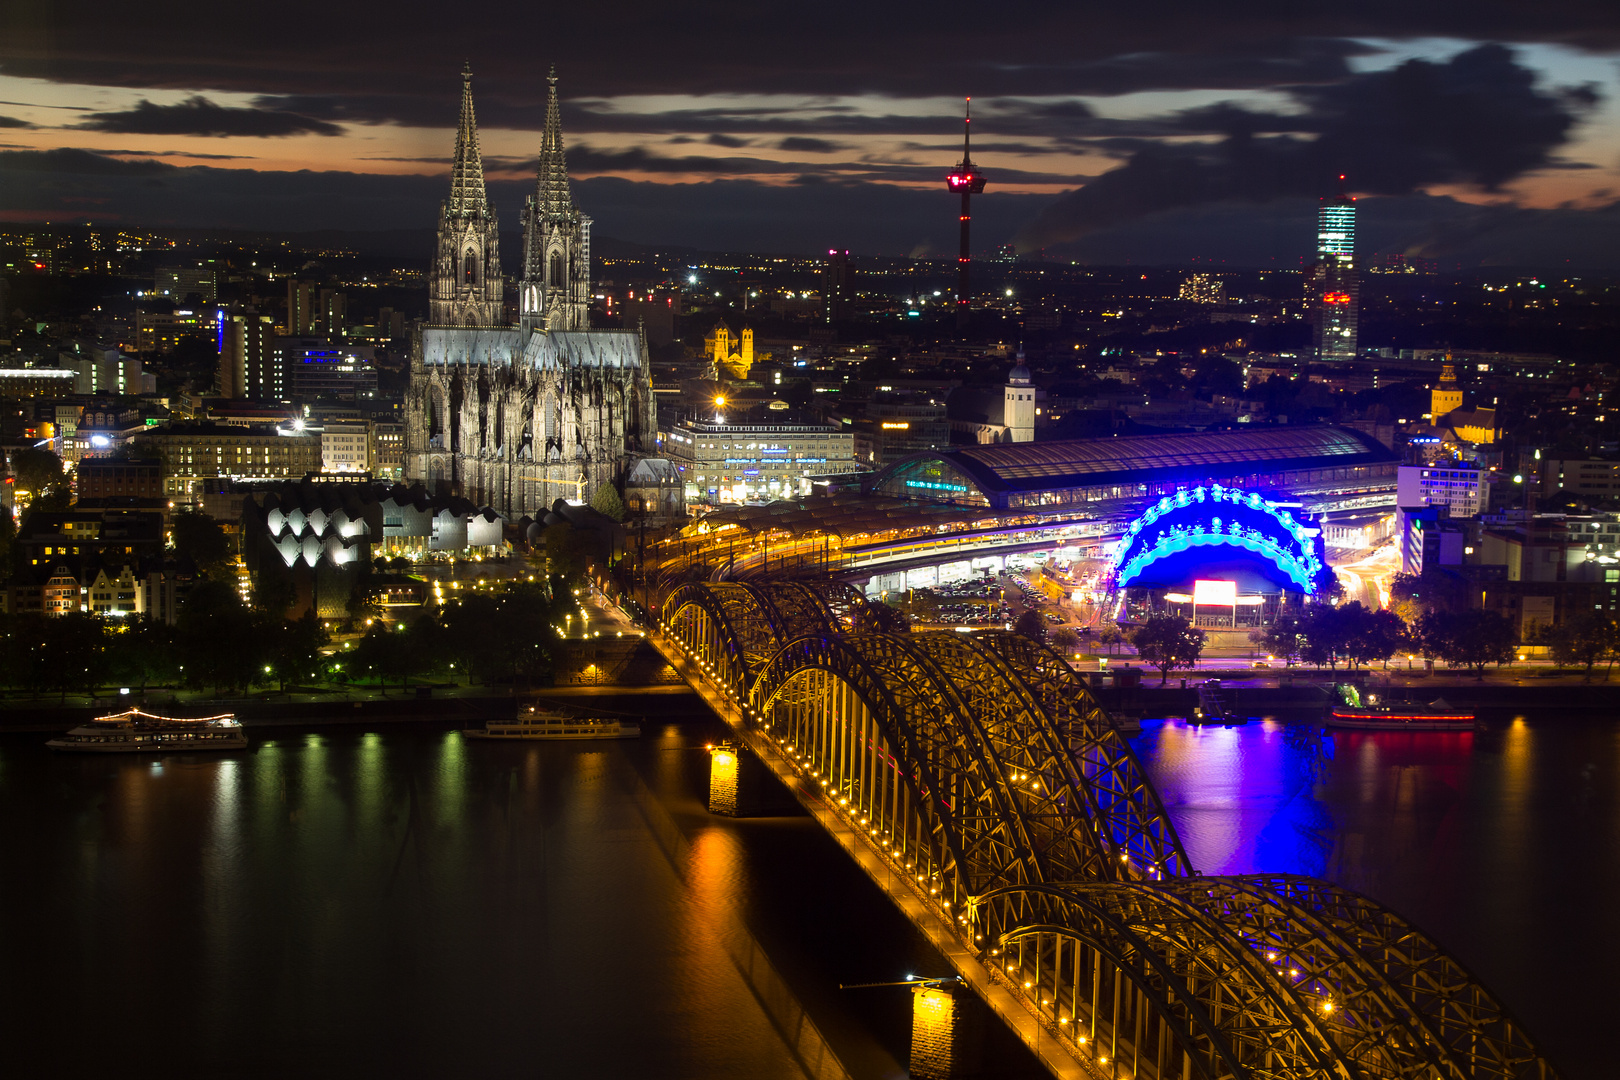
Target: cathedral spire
x=551, y=182
x=465, y=287
x=555, y=290
x=467, y=194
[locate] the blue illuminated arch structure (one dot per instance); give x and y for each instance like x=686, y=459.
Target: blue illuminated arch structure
x=1226, y=521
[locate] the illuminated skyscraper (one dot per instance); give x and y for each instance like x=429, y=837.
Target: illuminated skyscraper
x=1335, y=282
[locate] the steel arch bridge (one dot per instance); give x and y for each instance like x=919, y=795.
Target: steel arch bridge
x=980, y=771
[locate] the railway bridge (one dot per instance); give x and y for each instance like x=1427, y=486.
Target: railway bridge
x=978, y=782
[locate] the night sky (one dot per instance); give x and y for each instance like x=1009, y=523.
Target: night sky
x=1477, y=133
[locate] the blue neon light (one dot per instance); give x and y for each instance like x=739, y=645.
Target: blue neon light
x=1192, y=518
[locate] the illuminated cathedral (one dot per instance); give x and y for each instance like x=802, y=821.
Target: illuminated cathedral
x=517, y=413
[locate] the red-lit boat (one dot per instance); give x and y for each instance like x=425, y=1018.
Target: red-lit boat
x=1438, y=715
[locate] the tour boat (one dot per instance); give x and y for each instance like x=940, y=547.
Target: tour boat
x=134, y=731
x=1437, y=715
x=547, y=724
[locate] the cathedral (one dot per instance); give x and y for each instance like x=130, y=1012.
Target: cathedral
x=516, y=415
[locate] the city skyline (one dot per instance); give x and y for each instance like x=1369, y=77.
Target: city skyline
x=189, y=127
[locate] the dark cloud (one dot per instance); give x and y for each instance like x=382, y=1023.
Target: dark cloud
x=730, y=142
x=805, y=212
x=190, y=154
x=739, y=214
x=804, y=144
x=1477, y=119
x=13, y=122
x=199, y=116
x=1022, y=47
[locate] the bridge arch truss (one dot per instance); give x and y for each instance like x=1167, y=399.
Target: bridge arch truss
x=982, y=770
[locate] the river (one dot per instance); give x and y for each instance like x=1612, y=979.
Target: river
x=341, y=902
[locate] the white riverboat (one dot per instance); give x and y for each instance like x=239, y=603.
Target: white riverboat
x=547, y=724
x=134, y=731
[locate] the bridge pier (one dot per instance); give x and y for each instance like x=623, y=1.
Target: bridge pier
x=725, y=772
x=947, y=1031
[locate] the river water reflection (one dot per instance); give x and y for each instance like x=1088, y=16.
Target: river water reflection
x=404, y=902
x=1503, y=844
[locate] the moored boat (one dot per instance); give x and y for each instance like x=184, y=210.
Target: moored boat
x=551, y=724
x=134, y=731
x=1349, y=711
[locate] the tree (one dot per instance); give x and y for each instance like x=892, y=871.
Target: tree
x=569, y=552
x=1584, y=641
x=39, y=472
x=1284, y=638
x=383, y=655
x=1413, y=595
x=74, y=650
x=1168, y=642
x=1381, y=635
x=143, y=651
x=200, y=538
x=294, y=646
x=1030, y=625
x=1064, y=641
x=1467, y=639
x=220, y=641
x=607, y=502
x=273, y=588
x=1110, y=634
x=1325, y=636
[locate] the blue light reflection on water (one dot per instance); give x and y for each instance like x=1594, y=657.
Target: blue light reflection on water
x=1501, y=843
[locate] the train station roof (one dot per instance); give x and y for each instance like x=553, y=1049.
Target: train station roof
x=1007, y=468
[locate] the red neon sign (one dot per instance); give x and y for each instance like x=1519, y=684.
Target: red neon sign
x=1336, y=298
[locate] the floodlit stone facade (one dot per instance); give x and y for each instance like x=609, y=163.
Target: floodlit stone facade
x=518, y=416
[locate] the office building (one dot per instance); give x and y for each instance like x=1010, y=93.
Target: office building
x=128, y=479
x=837, y=286
x=313, y=368
x=181, y=283
x=1335, y=282
x=248, y=366
x=18, y=383
x=346, y=446
x=388, y=450
x=1579, y=476
x=194, y=453
x=1461, y=489
x=301, y=300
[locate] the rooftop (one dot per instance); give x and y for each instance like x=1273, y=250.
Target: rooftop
x=1012, y=467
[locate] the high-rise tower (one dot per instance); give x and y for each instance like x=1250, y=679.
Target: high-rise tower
x=969, y=181
x=555, y=289
x=1335, y=281
x=465, y=284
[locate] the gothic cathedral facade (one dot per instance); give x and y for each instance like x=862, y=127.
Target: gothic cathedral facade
x=516, y=416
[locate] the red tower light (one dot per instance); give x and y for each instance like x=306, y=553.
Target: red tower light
x=966, y=181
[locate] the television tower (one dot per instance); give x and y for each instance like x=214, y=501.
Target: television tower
x=969, y=181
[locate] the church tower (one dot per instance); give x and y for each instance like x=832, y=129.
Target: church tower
x=555, y=292
x=465, y=285
x=1447, y=397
